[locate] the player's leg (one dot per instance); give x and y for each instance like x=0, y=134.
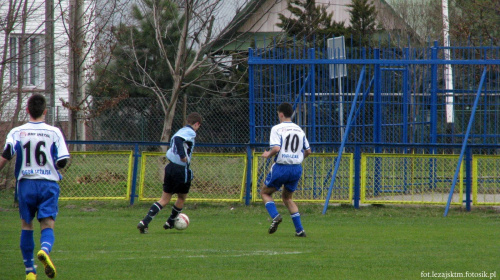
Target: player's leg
x=181, y=183
x=27, y=245
x=47, y=237
x=294, y=212
x=266, y=194
x=158, y=206
x=271, y=185
x=153, y=211
x=27, y=209
x=295, y=172
x=47, y=241
x=176, y=210
x=47, y=212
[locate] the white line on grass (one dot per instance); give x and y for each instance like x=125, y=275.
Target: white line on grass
x=226, y=254
x=256, y=253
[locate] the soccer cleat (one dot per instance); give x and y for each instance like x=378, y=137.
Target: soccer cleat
x=142, y=227
x=167, y=225
x=50, y=269
x=300, y=234
x=31, y=276
x=274, y=225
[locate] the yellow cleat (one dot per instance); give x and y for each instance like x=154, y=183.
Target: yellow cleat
x=31, y=276
x=50, y=269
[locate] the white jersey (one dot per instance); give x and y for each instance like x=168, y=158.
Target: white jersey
x=173, y=154
x=292, y=142
x=38, y=147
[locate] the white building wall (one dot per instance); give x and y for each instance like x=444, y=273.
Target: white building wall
x=36, y=25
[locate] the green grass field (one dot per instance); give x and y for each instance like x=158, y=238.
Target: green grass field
x=98, y=240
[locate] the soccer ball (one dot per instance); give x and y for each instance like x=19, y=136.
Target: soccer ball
x=182, y=222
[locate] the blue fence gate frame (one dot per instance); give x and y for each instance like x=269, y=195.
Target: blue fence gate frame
x=406, y=108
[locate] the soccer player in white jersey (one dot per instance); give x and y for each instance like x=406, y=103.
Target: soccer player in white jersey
x=178, y=174
x=289, y=145
x=40, y=151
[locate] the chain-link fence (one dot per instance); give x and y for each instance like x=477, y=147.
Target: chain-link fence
x=97, y=175
x=216, y=176
x=316, y=178
x=486, y=180
x=409, y=178
x=238, y=177
x=225, y=120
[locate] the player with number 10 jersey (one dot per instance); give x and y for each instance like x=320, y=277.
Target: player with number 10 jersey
x=292, y=142
x=289, y=146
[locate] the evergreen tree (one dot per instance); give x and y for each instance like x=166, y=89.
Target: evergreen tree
x=363, y=24
x=310, y=21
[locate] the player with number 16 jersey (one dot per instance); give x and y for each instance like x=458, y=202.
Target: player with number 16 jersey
x=40, y=150
x=37, y=146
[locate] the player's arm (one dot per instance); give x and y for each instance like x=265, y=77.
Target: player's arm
x=63, y=154
x=179, y=143
x=60, y=164
x=307, y=152
x=307, y=148
x=274, y=143
x=6, y=156
x=3, y=161
x=270, y=153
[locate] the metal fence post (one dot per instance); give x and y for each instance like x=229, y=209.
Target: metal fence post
x=468, y=178
x=248, y=195
x=377, y=118
x=251, y=97
x=377, y=102
x=137, y=155
x=312, y=90
x=357, y=176
x=434, y=99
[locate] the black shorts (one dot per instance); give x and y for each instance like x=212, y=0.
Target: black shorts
x=177, y=178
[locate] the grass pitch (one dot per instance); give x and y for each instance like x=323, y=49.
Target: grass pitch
x=99, y=240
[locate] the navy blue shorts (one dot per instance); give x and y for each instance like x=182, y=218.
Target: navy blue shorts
x=177, y=178
x=284, y=174
x=38, y=197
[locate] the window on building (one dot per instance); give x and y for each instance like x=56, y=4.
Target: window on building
x=30, y=58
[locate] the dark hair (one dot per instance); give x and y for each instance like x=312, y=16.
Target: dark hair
x=286, y=109
x=193, y=118
x=36, y=105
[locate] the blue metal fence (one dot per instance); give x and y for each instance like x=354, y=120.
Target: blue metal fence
x=408, y=102
x=407, y=98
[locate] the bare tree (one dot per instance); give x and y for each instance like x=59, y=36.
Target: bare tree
x=17, y=55
x=88, y=27
x=10, y=10
x=17, y=58
x=191, y=45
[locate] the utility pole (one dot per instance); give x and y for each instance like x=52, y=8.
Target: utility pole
x=49, y=61
x=76, y=91
x=448, y=71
